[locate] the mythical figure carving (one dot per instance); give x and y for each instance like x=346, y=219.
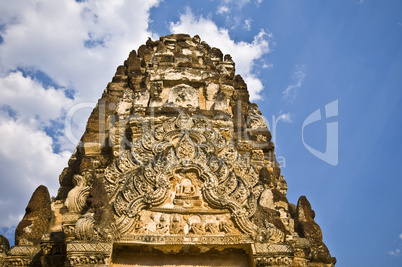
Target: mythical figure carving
x=226, y=226
x=162, y=227
x=254, y=118
x=212, y=228
x=140, y=227
x=176, y=225
x=197, y=228
x=76, y=198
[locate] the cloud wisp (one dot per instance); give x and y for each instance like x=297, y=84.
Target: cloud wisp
x=247, y=24
x=291, y=91
x=222, y=10
x=397, y=251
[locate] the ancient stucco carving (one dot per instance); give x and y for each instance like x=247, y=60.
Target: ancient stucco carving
x=183, y=95
x=76, y=198
x=185, y=167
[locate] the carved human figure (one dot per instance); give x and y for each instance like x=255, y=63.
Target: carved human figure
x=177, y=188
x=186, y=147
x=187, y=188
x=266, y=198
x=187, y=193
x=156, y=90
x=198, y=228
x=176, y=226
x=139, y=226
x=226, y=226
x=184, y=121
x=212, y=228
x=162, y=227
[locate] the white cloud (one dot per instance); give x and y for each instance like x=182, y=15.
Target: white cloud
x=222, y=10
x=267, y=66
x=286, y=117
x=297, y=79
x=239, y=3
x=29, y=99
x=395, y=253
x=243, y=53
x=247, y=25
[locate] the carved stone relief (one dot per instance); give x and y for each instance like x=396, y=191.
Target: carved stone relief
x=76, y=198
x=183, y=167
x=254, y=118
x=183, y=95
x=141, y=98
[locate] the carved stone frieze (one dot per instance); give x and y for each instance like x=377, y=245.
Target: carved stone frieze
x=88, y=260
x=273, y=261
x=76, y=246
x=183, y=240
x=88, y=253
x=24, y=250
x=18, y=261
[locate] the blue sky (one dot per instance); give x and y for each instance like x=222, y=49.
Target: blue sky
x=296, y=56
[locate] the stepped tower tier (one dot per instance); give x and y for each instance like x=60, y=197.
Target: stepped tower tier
x=176, y=167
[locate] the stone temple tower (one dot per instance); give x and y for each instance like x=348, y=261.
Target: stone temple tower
x=176, y=168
